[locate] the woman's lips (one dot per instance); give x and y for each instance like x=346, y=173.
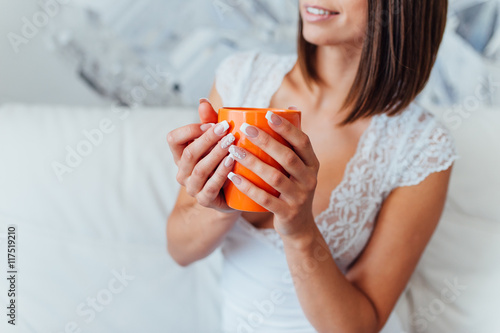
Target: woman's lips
x=316, y=14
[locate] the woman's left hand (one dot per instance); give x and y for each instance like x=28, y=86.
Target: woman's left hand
x=293, y=208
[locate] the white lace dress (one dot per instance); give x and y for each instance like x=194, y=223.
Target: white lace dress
x=258, y=292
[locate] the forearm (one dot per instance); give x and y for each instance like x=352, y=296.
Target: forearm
x=194, y=232
x=330, y=302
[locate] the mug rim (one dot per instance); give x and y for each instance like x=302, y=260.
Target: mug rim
x=248, y=109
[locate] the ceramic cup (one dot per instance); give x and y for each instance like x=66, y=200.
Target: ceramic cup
x=256, y=117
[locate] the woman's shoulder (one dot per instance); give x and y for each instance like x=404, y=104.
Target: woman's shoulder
x=238, y=72
x=414, y=124
x=231, y=73
x=236, y=59
x=252, y=57
x=421, y=144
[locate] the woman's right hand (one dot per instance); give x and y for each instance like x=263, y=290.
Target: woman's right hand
x=198, y=151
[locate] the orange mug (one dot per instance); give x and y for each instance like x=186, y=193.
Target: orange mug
x=255, y=117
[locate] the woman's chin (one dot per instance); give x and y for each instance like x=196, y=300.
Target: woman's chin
x=320, y=39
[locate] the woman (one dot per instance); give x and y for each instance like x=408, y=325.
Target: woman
x=368, y=171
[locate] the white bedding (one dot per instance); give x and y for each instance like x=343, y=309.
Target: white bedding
x=108, y=214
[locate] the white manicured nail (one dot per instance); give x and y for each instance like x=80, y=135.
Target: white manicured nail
x=227, y=141
x=234, y=178
x=274, y=119
x=221, y=127
x=228, y=161
x=237, y=152
x=249, y=130
x=206, y=126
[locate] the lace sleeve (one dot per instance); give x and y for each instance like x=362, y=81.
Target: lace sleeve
x=230, y=75
x=429, y=148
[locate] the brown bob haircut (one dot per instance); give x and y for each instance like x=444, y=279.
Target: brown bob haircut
x=398, y=52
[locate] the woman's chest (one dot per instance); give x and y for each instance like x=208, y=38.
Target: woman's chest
x=333, y=145
x=334, y=150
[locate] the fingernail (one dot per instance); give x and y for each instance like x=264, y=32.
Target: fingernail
x=228, y=161
x=234, y=178
x=221, y=127
x=227, y=141
x=206, y=126
x=293, y=107
x=274, y=119
x=237, y=152
x=204, y=100
x=249, y=130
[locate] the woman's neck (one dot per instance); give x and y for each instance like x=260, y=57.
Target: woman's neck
x=337, y=67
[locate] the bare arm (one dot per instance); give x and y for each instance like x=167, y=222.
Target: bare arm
x=194, y=231
x=200, y=218
x=362, y=300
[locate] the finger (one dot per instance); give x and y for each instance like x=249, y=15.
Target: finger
x=202, y=170
x=261, y=197
x=206, y=112
x=180, y=137
x=213, y=186
x=297, y=138
x=209, y=150
x=286, y=157
x=275, y=178
x=194, y=151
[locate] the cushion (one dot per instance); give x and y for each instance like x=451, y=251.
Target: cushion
x=90, y=191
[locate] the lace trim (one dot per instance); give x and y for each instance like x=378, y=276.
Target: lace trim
x=420, y=178
x=325, y=226
x=433, y=150
x=359, y=154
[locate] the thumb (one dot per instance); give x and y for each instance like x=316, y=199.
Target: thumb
x=206, y=112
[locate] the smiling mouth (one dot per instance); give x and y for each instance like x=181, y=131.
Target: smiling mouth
x=319, y=11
